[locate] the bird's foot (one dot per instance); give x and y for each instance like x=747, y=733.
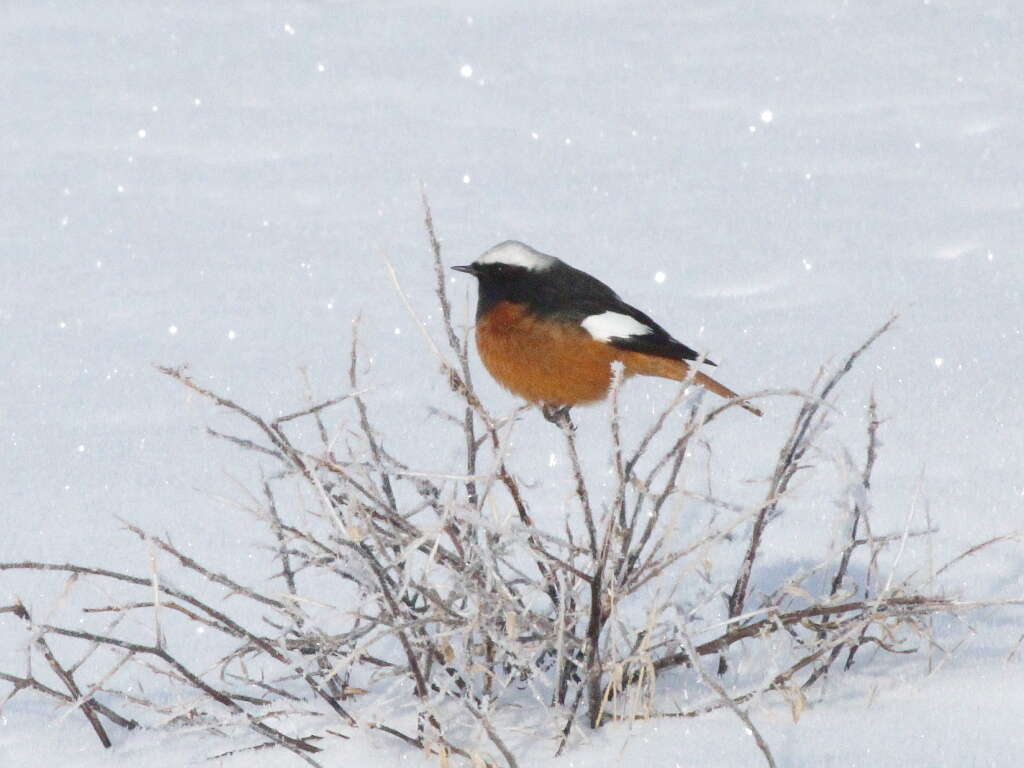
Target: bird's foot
x=557, y=415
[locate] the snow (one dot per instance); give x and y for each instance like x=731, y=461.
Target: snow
x=219, y=184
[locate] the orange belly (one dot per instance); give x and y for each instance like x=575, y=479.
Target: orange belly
x=546, y=361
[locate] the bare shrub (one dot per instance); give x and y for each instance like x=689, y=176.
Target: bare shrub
x=461, y=606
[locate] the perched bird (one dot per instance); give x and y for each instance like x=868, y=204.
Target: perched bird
x=549, y=332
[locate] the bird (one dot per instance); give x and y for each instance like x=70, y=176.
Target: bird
x=550, y=333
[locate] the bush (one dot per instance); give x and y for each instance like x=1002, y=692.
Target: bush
x=441, y=601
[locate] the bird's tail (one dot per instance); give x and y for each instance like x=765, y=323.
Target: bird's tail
x=720, y=389
x=666, y=367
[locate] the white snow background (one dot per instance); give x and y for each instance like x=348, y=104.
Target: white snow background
x=220, y=183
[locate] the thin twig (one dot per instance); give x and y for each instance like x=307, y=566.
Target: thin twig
x=787, y=467
x=710, y=681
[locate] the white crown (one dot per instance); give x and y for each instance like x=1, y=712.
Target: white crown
x=517, y=254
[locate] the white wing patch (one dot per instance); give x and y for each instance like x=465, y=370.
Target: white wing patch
x=614, y=325
x=517, y=254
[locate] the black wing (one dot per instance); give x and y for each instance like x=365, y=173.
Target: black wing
x=583, y=295
x=659, y=342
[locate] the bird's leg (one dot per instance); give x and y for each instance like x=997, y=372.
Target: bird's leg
x=558, y=415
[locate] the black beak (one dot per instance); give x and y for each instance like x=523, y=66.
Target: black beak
x=469, y=269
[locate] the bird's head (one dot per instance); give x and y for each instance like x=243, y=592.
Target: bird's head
x=511, y=271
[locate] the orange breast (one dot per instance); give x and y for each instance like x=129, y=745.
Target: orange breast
x=546, y=361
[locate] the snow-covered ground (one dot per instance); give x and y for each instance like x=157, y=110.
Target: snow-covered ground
x=220, y=184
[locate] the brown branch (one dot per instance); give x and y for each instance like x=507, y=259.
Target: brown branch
x=858, y=511
x=729, y=702
x=216, y=578
x=561, y=418
x=229, y=625
x=244, y=443
x=461, y=352
x=976, y=549
x=297, y=746
x=275, y=436
x=282, y=548
x=788, y=465
x=30, y=683
x=364, y=421
x=893, y=606
x=66, y=677
x=313, y=409
x=191, y=615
